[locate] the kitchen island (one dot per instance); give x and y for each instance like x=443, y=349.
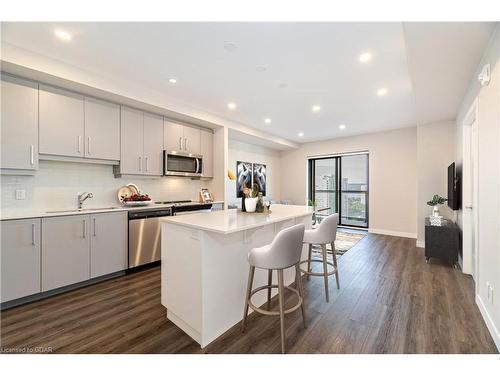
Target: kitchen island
x=204, y=268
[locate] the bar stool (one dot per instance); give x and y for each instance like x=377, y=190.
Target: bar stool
x=284, y=252
x=325, y=233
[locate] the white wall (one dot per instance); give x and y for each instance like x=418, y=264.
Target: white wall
x=488, y=205
x=56, y=185
x=392, y=176
x=242, y=151
x=435, y=152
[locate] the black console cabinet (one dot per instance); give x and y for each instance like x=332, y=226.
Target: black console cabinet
x=442, y=242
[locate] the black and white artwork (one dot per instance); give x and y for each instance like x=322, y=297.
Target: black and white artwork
x=243, y=177
x=259, y=177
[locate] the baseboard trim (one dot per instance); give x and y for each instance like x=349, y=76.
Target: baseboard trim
x=392, y=233
x=489, y=322
x=421, y=244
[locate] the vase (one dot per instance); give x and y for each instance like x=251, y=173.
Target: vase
x=435, y=211
x=260, y=204
x=251, y=204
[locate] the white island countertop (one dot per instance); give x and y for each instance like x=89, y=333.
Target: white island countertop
x=233, y=220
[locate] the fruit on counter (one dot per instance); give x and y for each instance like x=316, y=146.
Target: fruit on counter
x=137, y=198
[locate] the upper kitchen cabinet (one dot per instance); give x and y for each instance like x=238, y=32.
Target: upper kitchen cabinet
x=19, y=130
x=61, y=122
x=102, y=130
x=207, y=151
x=181, y=138
x=141, y=143
x=153, y=144
x=131, y=141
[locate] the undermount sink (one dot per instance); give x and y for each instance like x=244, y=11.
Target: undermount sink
x=82, y=210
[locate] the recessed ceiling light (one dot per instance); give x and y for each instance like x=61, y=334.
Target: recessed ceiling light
x=316, y=108
x=342, y=126
x=230, y=46
x=172, y=80
x=301, y=134
x=267, y=120
x=63, y=35
x=365, y=57
x=382, y=92
x=231, y=105
x=260, y=68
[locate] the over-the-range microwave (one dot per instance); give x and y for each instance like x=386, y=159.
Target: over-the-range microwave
x=182, y=164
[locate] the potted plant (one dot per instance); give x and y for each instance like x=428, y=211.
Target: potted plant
x=434, y=202
x=313, y=204
x=251, y=197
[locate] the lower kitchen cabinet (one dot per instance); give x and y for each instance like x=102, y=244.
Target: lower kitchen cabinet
x=108, y=243
x=20, y=258
x=65, y=251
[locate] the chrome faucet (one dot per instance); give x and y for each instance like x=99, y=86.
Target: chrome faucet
x=82, y=198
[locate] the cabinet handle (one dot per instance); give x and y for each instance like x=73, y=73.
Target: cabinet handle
x=33, y=242
x=79, y=144
x=89, y=140
x=180, y=143
x=32, y=155
x=140, y=163
x=84, y=228
x=95, y=232
x=147, y=164
x=185, y=144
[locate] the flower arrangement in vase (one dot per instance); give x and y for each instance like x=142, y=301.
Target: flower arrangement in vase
x=251, y=198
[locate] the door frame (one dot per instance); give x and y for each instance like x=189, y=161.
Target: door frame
x=470, y=258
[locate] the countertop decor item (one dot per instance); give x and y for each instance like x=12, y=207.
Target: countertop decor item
x=206, y=196
x=137, y=200
x=251, y=197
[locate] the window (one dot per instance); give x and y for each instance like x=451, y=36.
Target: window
x=339, y=184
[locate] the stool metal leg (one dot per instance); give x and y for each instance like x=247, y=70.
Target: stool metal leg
x=309, y=261
x=335, y=264
x=251, y=273
x=281, y=295
x=325, y=270
x=269, y=282
x=300, y=288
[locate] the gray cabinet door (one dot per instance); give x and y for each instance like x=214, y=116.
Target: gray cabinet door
x=66, y=251
x=131, y=141
x=173, y=136
x=108, y=243
x=61, y=122
x=153, y=144
x=207, y=151
x=20, y=258
x=102, y=129
x=19, y=130
x=192, y=140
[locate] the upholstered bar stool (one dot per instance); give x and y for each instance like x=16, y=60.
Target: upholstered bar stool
x=284, y=252
x=324, y=234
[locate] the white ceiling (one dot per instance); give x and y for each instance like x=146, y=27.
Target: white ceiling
x=426, y=68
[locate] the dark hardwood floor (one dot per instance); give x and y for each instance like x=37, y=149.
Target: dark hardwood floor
x=390, y=301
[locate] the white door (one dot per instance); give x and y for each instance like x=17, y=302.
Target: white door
x=173, y=136
x=131, y=141
x=192, y=140
x=65, y=251
x=20, y=258
x=19, y=149
x=153, y=145
x=60, y=122
x=102, y=129
x=109, y=243
x=469, y=192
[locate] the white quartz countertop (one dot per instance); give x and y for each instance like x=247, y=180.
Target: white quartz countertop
x=31, y=214
x=230, y=221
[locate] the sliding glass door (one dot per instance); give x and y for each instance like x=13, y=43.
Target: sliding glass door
x=340, y=184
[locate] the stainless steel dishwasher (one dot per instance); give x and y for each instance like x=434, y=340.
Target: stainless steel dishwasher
x=144, y=236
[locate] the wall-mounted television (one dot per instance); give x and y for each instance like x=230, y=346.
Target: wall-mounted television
x=454, y=191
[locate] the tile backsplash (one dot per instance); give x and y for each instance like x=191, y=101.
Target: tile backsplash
x=56, y=186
